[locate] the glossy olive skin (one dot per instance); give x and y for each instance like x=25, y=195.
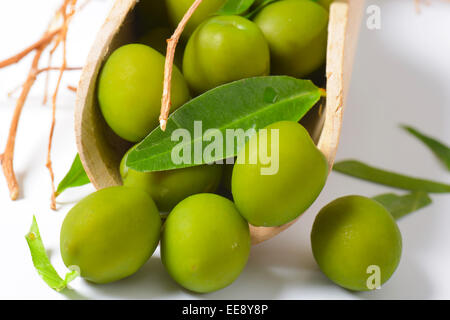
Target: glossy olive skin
x=224, y=49
x=205, y=243
x=178, y=8
x=130, y=88
x=276, y=199
x=352, y=233
x=296, y=31
x=168, y=188
x=110, y=234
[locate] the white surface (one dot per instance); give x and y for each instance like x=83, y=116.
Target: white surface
x=402, y=75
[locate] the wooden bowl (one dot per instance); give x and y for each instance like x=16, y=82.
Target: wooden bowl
x=101, y=150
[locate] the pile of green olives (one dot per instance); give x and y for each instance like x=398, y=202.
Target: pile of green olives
x=205, y=239
x=286, y=37
x=200, y=215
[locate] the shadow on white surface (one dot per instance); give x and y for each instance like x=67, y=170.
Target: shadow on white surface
x=150, y=282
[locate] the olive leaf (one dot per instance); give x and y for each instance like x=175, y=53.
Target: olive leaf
x=440, y=150
x=365, y=172
x=42, y=263
x=400, y=206
x=235, y=7
x=76, y=177
x=252, y=103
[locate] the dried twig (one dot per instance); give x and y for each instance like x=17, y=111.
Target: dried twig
x=171, y=47
x=41, y=43
x=57, y=35
x=8, y=155
x=47, y=69
x=47, y=80
x=58, y=69
x=62, y=38
x=72, y=88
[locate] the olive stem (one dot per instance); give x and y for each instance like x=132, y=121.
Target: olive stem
x=323, y=92
x=168, y=67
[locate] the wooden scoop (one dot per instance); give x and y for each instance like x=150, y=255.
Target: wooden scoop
x=101, y=150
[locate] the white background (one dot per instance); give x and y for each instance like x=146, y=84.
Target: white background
x=401, y=75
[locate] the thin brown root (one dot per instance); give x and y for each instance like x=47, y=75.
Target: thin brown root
x=168, y=67
x=61, y=39
x=46, y=70
x=58, y=69
x=72, y=88
x=47, y=80
x=55, y=35
x=8, y=155
x=45, y=40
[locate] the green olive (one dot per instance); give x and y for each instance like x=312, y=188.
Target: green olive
x=178, y=8
x=274, y=193
x=297, y=35
x=353, y=238
x=205, y=243
x=168, y=188
x=110, y=234
x=225, y=49
x=130, y=89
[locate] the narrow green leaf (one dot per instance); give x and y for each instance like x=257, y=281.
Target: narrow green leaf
x=259, y=7
x=42, y=262
x=252, y=103
x=440, y=150
x=235, y=7
x=400, y=206
x=362, y=171
x=76, y=177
